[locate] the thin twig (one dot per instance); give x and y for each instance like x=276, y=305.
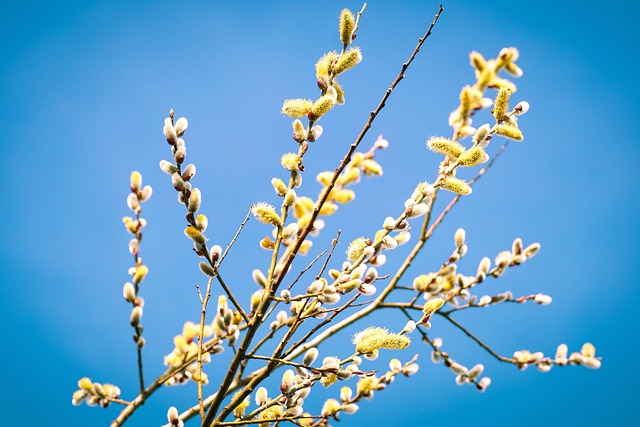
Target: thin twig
x=307, y=268
x=235, y=237
x=203, y=316
x=334, y=243
x=270, y=420
x=231, y=297
x=477, y=340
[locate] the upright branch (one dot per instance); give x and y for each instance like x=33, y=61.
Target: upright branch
x=283, y=326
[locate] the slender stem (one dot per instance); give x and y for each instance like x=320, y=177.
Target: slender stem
x=203, y=316
x=248, y=422
x=231, y=297
x=476, y=339
x=334, y=243
x=235, y=237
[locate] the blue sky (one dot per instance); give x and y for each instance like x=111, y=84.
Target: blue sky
x=85, y=87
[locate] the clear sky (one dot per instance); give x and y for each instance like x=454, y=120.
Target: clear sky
x=85, y=87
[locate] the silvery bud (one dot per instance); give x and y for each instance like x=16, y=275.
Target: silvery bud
x=181, y=125
x=188, y=172
x=310, y=356
x=129, y=292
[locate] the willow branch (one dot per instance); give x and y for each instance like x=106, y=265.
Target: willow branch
x=476, y=339
x=347, y=158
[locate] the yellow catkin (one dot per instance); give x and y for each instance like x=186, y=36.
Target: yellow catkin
x=432, y=306
x=322, y=106
x=347, y=25
x=298, y=130
x=366, y=385
x=339, y=92
x=370, y=167
x=266, y=213
x=342, y=196
x=279, y=186
x=370, y=339
x=509, y=131
x=347, y=60
x=324, y=64
x=195, y=235
x=328, y=208
x=472, y=157
x=136, y=180
x=456, y=185
x=296, y=107
x=396, y=342
x=501, y=104
x=356, y=248
x=291, y=161
x=324, y=178
x=465, y=102
x=441, y=145
x=477, y=60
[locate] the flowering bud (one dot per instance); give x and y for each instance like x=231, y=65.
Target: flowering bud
x=172, y=416
x=432, y=306
x=445, y=146
x=310, y=356
x=181, y=125
x=168, y=167
x=501, y=104
x=459, y=237
x=542, y=299
x=262, y=396
x=316, y=132
x=266, y=213
x=521, y=108
x=475, y=371
x=347, y=60
x=481, y=137
x=289, y=198
x=279, y=186
x=206, y=269
x=139, y=274
x=347, y=26
x=473, y=157
x=456, y=185
x=136, y=315
x=409, y=327
x=509, y=131
x=588, y=350
x=417, y=210
x=531, y=250
x=177, y=181
x=180, y=154
x=194, y=201
x=321, y=106
x=195, y=235
x=188, y=172
x=129, y=292
x=169, y=131
x=484, y=383
x=295, y=108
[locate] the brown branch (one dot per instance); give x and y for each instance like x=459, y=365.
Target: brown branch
x=205, y=302
x=476, y=339
x=235, y=237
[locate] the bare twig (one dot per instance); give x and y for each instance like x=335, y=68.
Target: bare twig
x=205, y=301
x=476, y=339
x=235, y=237
x=334, y=243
